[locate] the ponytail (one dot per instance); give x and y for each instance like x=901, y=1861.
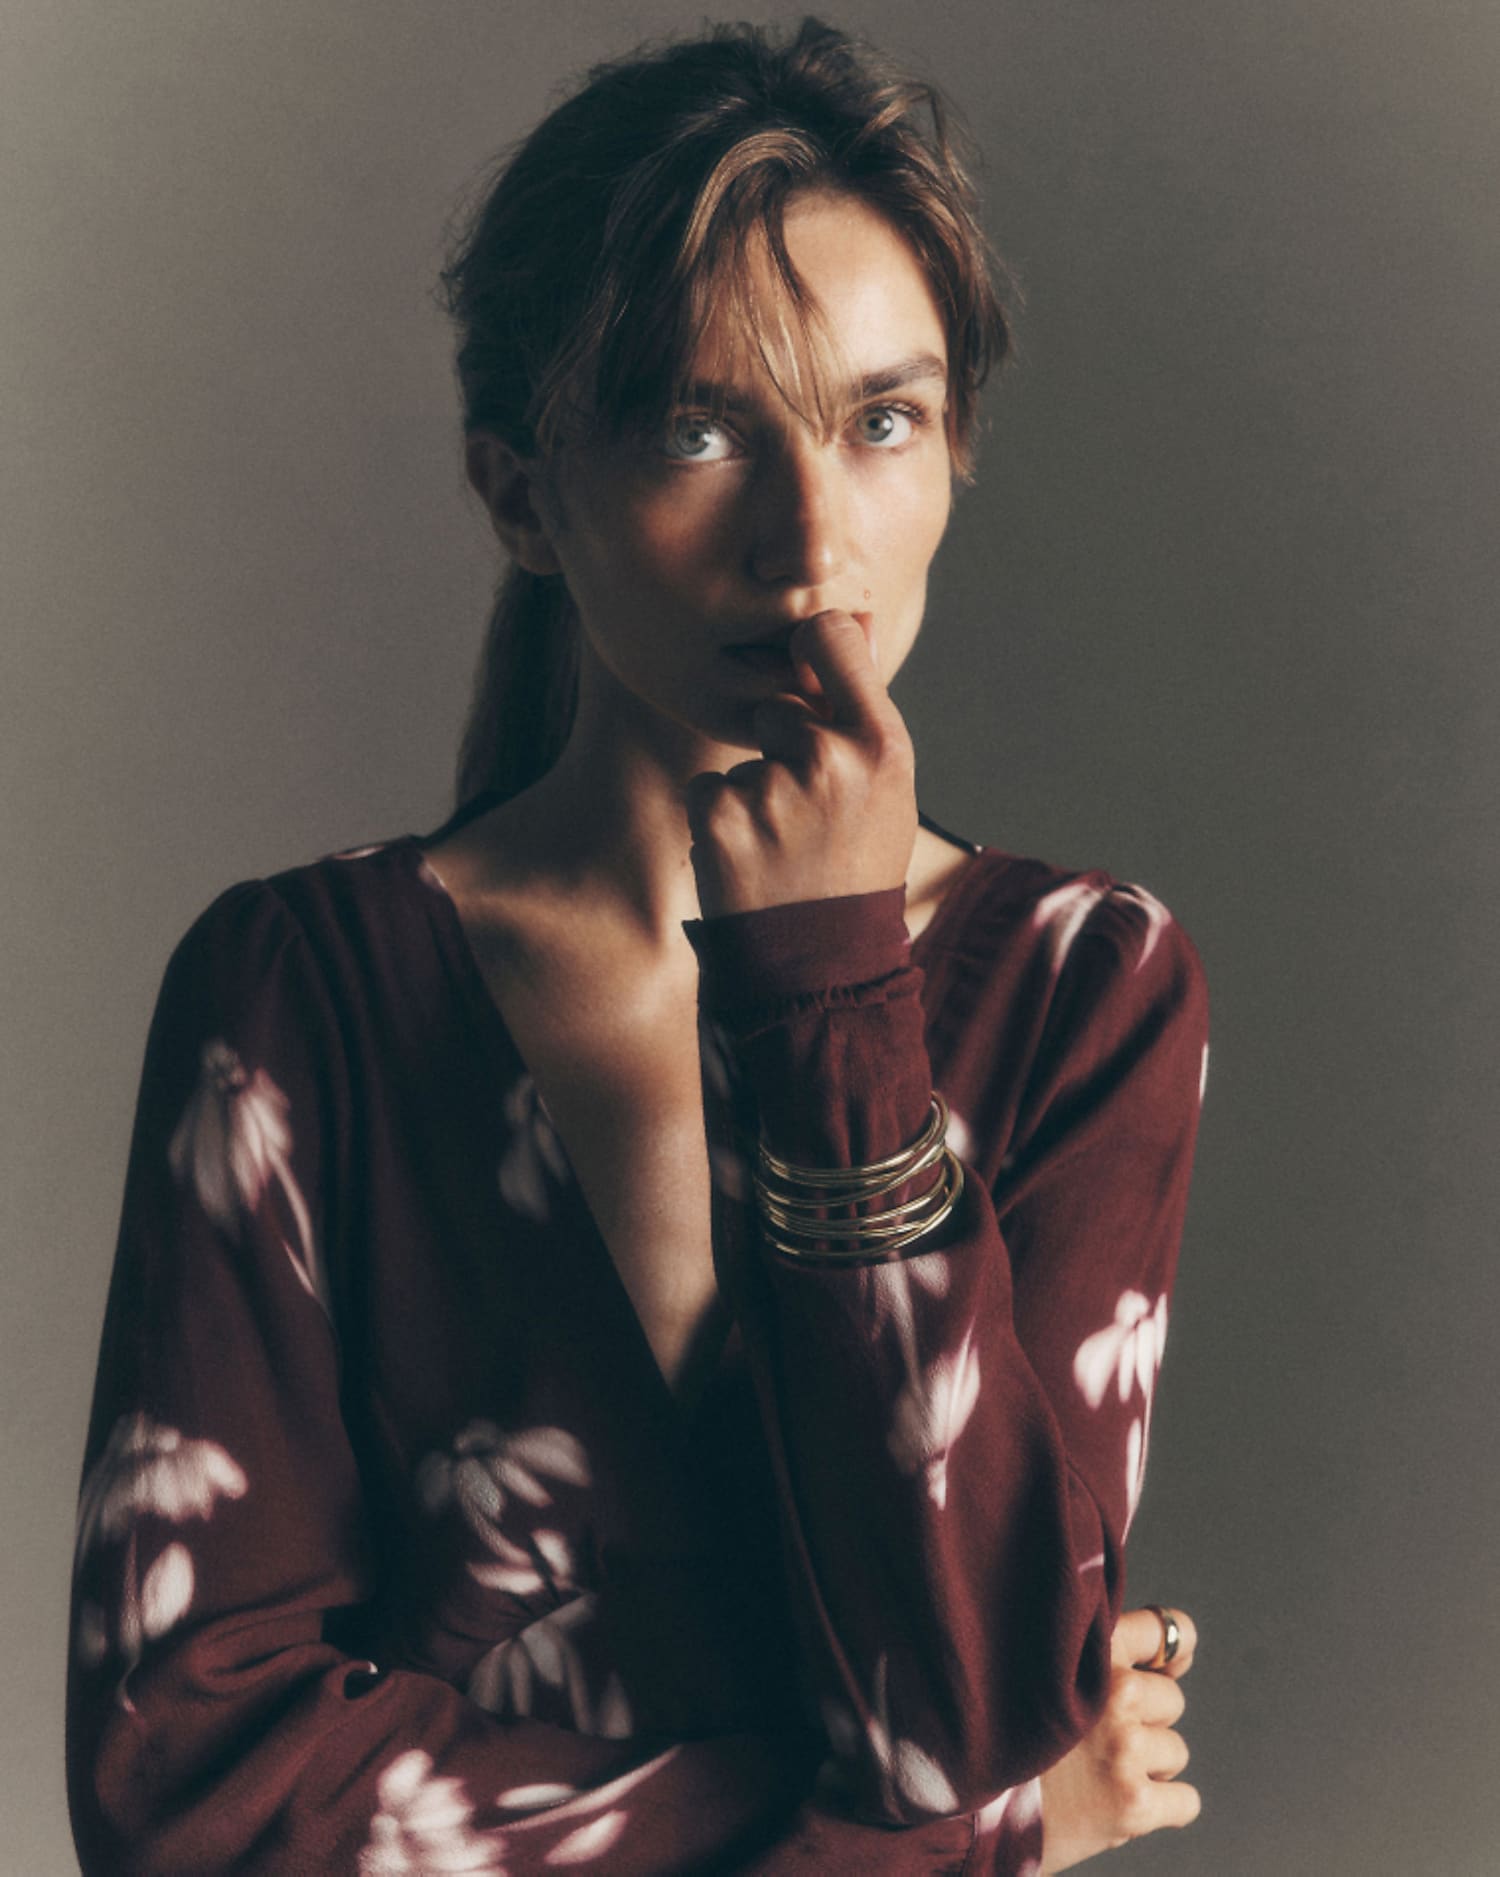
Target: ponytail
x=525, y=690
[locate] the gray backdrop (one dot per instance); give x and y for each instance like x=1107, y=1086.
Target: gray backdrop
x=1216, y=617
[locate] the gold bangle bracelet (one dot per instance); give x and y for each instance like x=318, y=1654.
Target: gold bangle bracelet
x=854, y=1192
x=813, y=1217
x=794, y=1201
x=887, y=1249
x=892, y=1168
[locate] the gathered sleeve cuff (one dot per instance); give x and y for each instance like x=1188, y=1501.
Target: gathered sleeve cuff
x=821, y=1007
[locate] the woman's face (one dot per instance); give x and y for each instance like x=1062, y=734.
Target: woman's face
x=681, y=549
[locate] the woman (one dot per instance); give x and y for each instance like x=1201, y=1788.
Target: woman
x=635, y=1325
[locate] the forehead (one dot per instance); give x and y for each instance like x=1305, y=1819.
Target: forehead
x=870, y=308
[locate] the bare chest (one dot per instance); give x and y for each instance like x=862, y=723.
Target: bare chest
x=626, y=1099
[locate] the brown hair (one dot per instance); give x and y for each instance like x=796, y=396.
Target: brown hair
x=585, y=279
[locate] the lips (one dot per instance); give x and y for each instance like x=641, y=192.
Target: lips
x=767, y=652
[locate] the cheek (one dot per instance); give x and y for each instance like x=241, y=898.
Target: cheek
x=907, y=520
x=662, y=545
x=910, y=527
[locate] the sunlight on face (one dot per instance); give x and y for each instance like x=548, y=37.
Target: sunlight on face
x=680, y=549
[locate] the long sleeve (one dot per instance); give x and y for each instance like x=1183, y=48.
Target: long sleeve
x=960, y=1434
x=221, y=1715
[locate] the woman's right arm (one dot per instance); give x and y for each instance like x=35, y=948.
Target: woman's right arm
x=224, y=1540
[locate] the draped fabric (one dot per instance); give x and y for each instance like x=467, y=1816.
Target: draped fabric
x=396, y=1553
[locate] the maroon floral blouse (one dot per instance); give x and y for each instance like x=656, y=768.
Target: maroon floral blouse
x=396, y=1554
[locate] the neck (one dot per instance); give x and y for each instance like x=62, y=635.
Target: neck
x=608, y=819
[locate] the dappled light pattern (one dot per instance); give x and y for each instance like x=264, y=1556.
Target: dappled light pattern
x=461, y=1587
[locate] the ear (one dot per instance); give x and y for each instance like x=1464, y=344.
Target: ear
x=508, y=485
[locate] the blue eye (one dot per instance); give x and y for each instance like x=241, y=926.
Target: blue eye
x=886, y=425
x=693, y=439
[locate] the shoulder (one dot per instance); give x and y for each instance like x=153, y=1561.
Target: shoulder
x=1039, y=975
x=1042, y=917
x=313, y=904
x=301, y=939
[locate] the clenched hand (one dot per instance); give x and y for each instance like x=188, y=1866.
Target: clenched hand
x=830, y=806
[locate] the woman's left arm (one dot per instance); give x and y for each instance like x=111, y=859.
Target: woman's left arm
x=960, y=1434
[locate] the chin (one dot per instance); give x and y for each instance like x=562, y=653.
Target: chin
x=729, y=727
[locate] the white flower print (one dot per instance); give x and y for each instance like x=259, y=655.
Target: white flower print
x=1063, y=913
x=504, y=1680
x=92, y=1639
x=959, y=1136
x=1129, y=1353
x=146, y=1468
x=1129, y=1350
x=720, y=1073
x=931, y=1412
x=730, y=1171
x=523, y=1572
x=729, y=1167
x=906, y=1768
x=1135, y=1468
x=232, y=1141
x=841, y=1727
x=534, y=1160
x=890, y=1292
x=1157, y=916
x=579, y=1805
x=423, y=1828
x=487, y=1464
x=1020, y=1805
x=166, y=1591
x=530, y=1797
x=613, y=1719
x=589, y=1841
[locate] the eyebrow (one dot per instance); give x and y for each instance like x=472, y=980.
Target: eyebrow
x=919, y=368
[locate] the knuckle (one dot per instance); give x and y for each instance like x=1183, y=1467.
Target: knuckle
x=1114, y=1733
x=1120, y=1787
x=891, y=742
x=725, y=817
x=1138, y=1815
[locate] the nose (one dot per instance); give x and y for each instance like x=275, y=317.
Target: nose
x=799, y=516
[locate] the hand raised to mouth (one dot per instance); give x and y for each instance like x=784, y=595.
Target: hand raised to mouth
x=830, y=806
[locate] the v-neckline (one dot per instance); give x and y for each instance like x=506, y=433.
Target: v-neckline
x=454, y=943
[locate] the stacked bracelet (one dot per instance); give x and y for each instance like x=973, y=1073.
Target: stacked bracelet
x=794, y=1202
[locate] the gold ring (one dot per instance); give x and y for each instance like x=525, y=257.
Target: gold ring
x=1171, y=1637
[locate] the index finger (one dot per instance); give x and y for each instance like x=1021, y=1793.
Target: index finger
x=835, y=647
x=1137, y=1640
